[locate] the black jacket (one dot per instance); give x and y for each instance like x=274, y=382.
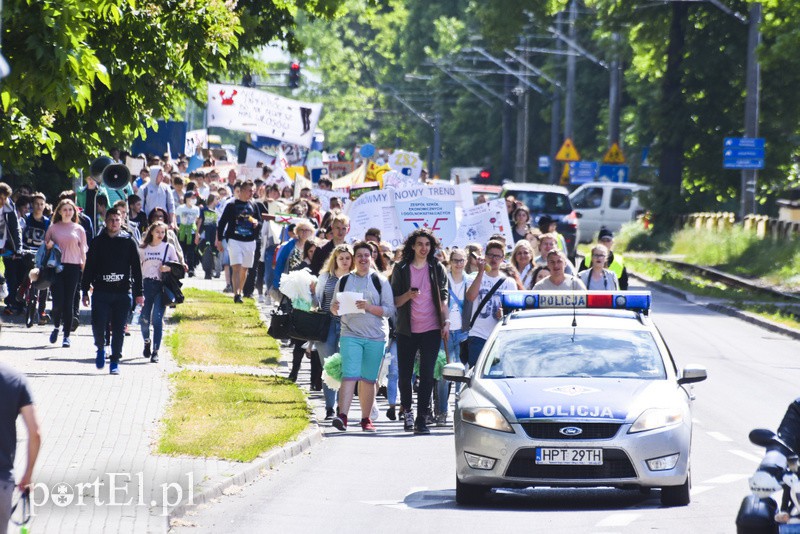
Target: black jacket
x=111, y=264
x=14, y=234
x=401, y=283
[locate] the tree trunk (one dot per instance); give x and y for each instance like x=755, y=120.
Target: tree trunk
x=672, y=123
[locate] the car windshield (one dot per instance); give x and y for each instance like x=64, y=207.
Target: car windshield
x=544, y=201
x=587, y=353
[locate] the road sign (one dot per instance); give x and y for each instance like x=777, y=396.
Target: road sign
x=613, y=173
x=568, y=152
x=367, y=150
x=544, y=163
x=743, y=153
x=581, y=172
x=614, y=155
x=744, y=142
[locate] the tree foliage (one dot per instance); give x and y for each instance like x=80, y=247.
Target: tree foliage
x=90, y=75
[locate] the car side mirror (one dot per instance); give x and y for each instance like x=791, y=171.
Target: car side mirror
x=692, y=373
x=455, y=372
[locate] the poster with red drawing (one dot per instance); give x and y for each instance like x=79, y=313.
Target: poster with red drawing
x=254, y=111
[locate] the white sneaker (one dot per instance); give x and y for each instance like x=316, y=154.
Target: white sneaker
x=374, y=413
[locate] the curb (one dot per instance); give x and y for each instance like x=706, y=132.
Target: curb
x=307, y=439
x=721, y=308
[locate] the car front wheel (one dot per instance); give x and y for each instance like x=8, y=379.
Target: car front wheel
x=470, y=494
x=677, y=495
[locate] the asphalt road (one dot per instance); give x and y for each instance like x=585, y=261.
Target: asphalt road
x=395, y=482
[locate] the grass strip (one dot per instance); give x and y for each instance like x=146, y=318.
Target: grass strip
x=234, y=417
x=213, y=330
x=700, y=286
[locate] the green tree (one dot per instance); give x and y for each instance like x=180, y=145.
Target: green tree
x=87, y=76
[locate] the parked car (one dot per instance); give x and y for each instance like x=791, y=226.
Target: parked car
x=489, y=192
x=606, y=204
x=552, y=200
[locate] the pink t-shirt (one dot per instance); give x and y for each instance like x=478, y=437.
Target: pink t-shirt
x=423, y=312
x=71, y=239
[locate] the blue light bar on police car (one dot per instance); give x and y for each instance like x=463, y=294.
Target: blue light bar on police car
x=536, y=300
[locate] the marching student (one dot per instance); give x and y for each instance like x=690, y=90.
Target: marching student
x=112, y=269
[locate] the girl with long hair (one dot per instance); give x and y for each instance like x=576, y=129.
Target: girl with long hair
x=70, y=238
x=154, y=253
x=522, y=259
x=339, y=264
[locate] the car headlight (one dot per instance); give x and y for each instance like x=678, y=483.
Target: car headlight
x=656, y=418
x=487, y=418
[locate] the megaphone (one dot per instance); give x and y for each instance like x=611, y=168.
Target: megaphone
x=112, y=175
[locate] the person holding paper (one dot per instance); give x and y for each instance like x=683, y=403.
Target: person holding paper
x=363, y=335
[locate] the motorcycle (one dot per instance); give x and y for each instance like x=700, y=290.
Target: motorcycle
x=759, y=513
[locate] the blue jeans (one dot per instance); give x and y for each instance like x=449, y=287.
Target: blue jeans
x=269, y=270
x=152, y=311
x=327, y=348
x=443, y=386
x=474, y=347
x=114, y=307
x=391, y=377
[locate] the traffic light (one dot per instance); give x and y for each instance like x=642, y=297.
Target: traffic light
x=485, y=175
x=294, y=75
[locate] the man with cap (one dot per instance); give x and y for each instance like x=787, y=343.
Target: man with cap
x=548, y=225
x=616, y=263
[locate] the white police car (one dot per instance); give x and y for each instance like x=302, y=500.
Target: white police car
x=574, y=389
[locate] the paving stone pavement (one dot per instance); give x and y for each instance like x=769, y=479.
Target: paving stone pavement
x=98, y=427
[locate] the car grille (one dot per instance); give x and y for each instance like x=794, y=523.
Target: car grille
x=550, y=430
x=615, y=465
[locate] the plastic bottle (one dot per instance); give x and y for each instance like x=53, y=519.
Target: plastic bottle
x=137, y=311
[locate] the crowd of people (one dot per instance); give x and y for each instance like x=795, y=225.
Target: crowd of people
x=416, y=301
x=113, y=248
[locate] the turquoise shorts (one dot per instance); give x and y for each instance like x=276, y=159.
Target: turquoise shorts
x=361, y=358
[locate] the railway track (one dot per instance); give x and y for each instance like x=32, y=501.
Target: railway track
x=731, y=280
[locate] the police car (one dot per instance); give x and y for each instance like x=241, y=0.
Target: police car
x=574, y=389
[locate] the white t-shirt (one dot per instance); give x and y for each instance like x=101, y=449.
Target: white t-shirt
x=485, y=322
x=459, y=290
x=570, y=283
x=186, y=215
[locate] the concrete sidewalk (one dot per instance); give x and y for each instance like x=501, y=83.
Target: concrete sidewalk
x=100, y=431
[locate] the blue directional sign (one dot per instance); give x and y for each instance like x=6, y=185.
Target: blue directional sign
x=581, y=172
x=743, y=153
x=613, y=173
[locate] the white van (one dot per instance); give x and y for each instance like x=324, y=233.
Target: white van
x=605, y=204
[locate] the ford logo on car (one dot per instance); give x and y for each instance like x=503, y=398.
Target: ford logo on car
x=571, y=431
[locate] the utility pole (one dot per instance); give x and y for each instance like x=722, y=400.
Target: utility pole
x=523, y=101
x=437, y=145
x=506, y=170
x=751, y=105
x=569, y=110
x=614, y=93
x=555, y=117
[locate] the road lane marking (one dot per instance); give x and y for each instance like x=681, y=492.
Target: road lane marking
x=747, y=455
x=618, y=520
x=719, y=436
x=727, y=479
x=697, y=490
